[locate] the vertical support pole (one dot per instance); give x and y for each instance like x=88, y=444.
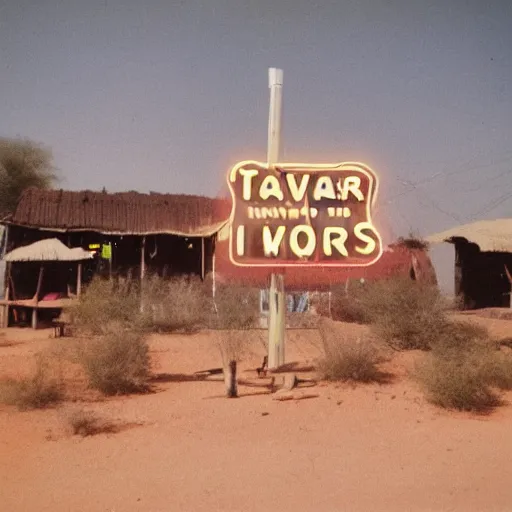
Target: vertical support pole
x=5, y=309
x=202, y=259
x=5, y=320
x=36, y=297
x=509, y=277
x=214, y=279
x=143, y=259
x=142, y=271
x=230, y=380
x=79, y=280
x=458, y=284
x=277, y=306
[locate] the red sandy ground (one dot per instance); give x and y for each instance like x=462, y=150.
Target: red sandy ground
x=365, y=448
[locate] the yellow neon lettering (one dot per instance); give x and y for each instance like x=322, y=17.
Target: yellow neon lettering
x=324, y=189
x=297, y=192
x=247, y=176
x=352, y=184
x=370, y=242
x=270, y=187
x=309, y=248
x=338, y=242
x=271, y=243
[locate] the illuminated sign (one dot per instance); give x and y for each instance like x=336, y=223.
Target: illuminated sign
x=303, y=215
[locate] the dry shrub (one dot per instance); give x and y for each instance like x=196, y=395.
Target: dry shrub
x=106, y=306
x=346, y=304
x=86, y=423
x=462, y=369
x=235, y=310
x=179, y=304
x=40, y=390
x=348, y=359
x=500, y=371
x=405, y=314
x=117, y=363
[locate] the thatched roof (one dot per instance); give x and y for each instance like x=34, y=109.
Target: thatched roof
x=489, y=235
x=47, y=250
x=120, y=213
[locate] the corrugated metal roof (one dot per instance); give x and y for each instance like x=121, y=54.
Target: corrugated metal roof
x=119, y=213
x=489, y=235
x=49, y=249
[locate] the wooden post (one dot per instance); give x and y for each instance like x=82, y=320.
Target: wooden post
x=230, y=380
x=509, y=277
x=5, y=309
x=214, y=281
x=202, y=258
x=458, y=284
x=39, y=283
x=5, y=320
x=142, y=272
x=143, y=259
x=79, y=280
x=277, y=306
x=36, y=297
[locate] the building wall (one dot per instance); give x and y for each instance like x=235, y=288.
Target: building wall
x=480, y=278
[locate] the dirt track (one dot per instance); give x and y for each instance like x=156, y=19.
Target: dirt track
x=373, y=447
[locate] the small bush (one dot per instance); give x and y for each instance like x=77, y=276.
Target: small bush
x=355, y=360
x=180, y=304
x=457, y=383
x=234, y=310
x=500, y=371
x=461, y=369
x=346, y=304
x=35, y=392
x=86, y=423
x=107, y=306
x=117, y=363
x=404, y=313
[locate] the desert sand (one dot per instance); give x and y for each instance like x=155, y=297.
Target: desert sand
x=185, y=447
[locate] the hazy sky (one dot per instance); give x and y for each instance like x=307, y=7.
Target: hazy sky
x=166, y=95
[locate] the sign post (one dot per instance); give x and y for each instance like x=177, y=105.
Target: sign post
x=277, y=299
x=298, y=215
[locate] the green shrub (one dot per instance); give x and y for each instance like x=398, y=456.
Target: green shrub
x=35, y=392
x=348, y=359
x=117, y=363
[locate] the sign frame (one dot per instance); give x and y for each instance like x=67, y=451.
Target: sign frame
x=280, y=170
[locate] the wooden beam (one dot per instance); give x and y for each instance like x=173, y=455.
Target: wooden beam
x=202, y=259
x=79, y=280
x=143, y=259
x=509, y=277
x=230, y=380
x=5, y=319
x=36, y=296
x=39, y=283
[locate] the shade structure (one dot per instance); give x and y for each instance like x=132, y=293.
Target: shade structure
x=489, y=235
x=50, y=249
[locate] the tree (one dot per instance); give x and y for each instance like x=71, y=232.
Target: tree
x=23, y=164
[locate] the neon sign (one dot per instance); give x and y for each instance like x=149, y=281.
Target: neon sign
x=303, y=215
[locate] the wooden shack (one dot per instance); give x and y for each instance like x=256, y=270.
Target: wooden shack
x=127, y=234
x=483, y=262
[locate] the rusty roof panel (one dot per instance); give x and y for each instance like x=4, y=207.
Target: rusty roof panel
x=119, y=213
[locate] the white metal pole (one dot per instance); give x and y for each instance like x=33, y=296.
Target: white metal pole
x=277, y=318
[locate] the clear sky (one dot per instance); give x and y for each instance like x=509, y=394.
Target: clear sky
x=166, y=95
